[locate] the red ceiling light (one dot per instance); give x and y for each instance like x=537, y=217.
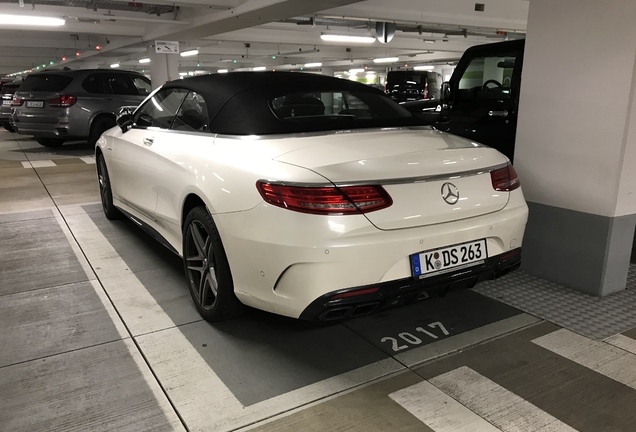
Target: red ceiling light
x=77, y=53
x=63, y=58
x=98, y=47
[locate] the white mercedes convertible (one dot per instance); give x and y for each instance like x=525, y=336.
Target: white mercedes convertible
x=308, y=196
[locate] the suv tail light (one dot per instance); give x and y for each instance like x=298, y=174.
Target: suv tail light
x=325, y=200
x=63, y=101
x=505, y=179
x=16, y=101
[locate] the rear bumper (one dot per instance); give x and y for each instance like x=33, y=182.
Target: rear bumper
x=44, y=130
x=353, y=302
x=51, y=125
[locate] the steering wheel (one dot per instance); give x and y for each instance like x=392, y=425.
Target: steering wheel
x=491, y=81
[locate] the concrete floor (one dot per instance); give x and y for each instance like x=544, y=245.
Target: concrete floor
x=99, y=333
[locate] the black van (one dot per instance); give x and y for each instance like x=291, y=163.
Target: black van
x=481, y=100
x=413, y=85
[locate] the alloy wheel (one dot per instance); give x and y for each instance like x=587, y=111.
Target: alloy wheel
x=200, y=265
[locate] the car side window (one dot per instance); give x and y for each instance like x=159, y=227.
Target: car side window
x=487, y=78
x=121, y=84
x=97, y=84
x=142, y=84
x=160, y=109
x=192, y=115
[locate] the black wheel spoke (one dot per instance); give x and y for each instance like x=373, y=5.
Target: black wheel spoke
x=198, y=240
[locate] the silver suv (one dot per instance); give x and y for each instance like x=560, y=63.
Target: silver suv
x=58, y=106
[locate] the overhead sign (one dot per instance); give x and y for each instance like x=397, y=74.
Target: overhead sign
x=166, y=47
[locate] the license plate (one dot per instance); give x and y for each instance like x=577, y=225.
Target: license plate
x=446, y=259
x=34, y=104
x=6, y=102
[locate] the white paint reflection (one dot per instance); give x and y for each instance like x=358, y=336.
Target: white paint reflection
x=218, y=176
x=154, y=102
x=336, y=227
x=225, y=190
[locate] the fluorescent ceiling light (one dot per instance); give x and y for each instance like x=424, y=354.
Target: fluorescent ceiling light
x=425, y=67
x=190, y=53
x=144, y=60
x=259, y=68
x=386, y=60
x=114, y=65
x=347, y=38
x=222, y=71
x=429, y=40
x=310, y=65
x=31, y=20
x=355, y=71
x=183, y=73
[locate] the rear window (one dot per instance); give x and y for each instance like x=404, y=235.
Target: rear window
x=328, y=106
x=9, y=88
x=48, y=82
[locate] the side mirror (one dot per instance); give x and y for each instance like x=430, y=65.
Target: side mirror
x=446, y=92
x=124, y=121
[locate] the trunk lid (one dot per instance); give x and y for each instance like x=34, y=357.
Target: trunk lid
x=418, y=168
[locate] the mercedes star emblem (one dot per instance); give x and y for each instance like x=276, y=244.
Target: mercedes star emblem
x=450, y=193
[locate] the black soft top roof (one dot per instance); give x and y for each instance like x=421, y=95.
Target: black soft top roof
x=238, y=102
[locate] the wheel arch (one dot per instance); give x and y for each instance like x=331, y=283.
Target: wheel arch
x=191, y=201
x=101, y=114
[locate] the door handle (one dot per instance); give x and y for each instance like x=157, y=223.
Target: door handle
x=503, y=113
x=149, y=141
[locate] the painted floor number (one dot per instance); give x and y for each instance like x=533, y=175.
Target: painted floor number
x=412, y=339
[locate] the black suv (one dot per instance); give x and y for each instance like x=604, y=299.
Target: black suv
x=6, y=95
x=57, y=106
x=411, y=85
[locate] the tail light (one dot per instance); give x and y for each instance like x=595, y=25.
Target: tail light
x=16, y=101
x=63, y=101
x=325, y=200
x=505, y=179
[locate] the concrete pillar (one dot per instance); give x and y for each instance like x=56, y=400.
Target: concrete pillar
x=163, y=67
x=328, y=70
x=576, y=142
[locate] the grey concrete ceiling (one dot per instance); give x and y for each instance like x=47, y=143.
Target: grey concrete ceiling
x=241, y=34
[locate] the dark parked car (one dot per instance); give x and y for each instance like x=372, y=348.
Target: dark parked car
x=57, y=106
x=482, y=98
x=6, y=93
x=413, y=85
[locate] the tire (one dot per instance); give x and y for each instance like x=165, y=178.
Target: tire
x=8, y=127
x=105, y=192
x=98, y=127
x=207, y=269
x=50, y=142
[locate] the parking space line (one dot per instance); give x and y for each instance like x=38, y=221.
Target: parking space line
x=155, y=387
x=623, y=342
x=38, y=164
x=439, y=411
x=497, y=405
x=466, y=339
x=206, y=403
x=88, y=159
x=601, y=357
